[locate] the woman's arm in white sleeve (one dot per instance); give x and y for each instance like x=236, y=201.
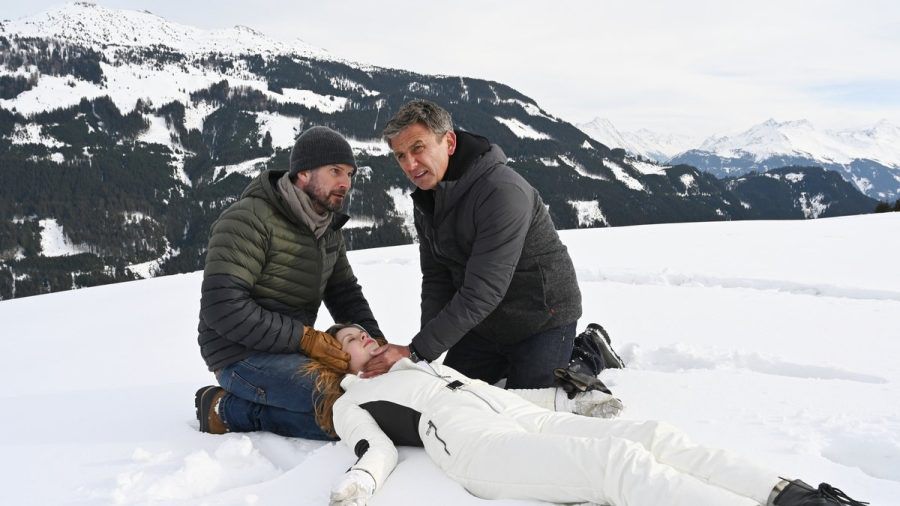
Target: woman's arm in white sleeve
x=356, y=427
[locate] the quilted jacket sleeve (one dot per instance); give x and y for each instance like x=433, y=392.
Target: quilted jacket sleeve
x=237, y=253
x=437, y=283
x=503, y=217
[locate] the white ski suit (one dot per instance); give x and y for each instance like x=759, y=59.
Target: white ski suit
x=498, y=445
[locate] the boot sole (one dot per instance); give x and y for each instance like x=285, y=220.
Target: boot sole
x=199, y=406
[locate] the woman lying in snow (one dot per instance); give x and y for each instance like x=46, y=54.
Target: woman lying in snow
x=497, y=445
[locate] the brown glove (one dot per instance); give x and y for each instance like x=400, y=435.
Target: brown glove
x=324, y=348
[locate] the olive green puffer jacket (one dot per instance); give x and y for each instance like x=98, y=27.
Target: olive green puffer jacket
x=266, y=276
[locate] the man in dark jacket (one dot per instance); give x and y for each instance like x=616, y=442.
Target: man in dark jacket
x=274, y=256
x=498, y=286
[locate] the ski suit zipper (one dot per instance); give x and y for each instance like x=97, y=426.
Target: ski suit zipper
x=433, y=427
x=449, y=382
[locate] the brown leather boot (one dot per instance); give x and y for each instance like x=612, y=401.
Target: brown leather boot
x=206, y=400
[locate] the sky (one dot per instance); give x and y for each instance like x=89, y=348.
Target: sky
x=692, y=67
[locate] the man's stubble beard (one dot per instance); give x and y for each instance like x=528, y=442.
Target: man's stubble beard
x=314, y=189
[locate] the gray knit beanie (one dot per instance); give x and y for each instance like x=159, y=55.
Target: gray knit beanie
x=319, y=146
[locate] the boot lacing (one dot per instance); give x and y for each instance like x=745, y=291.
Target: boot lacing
x=836, y=494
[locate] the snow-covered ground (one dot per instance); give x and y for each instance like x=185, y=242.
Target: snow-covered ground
x=55, y=242
x=623, y=176
x=778, y=340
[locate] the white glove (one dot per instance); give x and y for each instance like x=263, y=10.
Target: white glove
x=593, y=403
x=354, y=489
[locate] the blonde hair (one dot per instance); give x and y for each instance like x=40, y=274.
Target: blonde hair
x=327, y=384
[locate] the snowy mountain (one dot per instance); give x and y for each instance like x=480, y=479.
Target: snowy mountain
x=90, y=25
x=798, y=192
x=880, y=143
x=159, y=126
x=644, y=143
x=868, y=158
x=773, y=339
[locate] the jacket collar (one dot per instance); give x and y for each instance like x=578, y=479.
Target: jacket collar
x=400, y=365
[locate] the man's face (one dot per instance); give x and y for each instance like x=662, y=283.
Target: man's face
x=422, y=155
x=327, y=185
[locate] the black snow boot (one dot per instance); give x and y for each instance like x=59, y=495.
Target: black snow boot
x=597, y=340
x=591, y=353
x=798, y=493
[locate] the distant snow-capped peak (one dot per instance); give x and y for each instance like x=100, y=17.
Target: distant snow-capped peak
x=801, y=138
x=652, y=145
x=883, y=132
x=602, y=130
x=88, y=24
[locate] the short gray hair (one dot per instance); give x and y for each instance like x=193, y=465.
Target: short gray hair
x=433, y=116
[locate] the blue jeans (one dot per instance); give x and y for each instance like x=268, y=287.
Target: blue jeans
x=526, y=364
x=266, y=392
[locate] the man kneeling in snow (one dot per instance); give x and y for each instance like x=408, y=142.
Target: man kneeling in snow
x=498, y=286
x=274, y=256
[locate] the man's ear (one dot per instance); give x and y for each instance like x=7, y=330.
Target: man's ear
x=302, y=179
x=451, y=142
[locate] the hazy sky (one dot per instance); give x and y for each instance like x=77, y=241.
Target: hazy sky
x=677, y=66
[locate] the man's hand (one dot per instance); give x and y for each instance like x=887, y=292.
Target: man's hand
x=324, y=348
x=382, y=360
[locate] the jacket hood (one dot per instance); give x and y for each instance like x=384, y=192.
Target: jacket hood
x=477, y=157
x=469, y=147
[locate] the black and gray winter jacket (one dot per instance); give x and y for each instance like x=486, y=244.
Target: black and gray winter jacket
x=266, y=276
x=491, y=259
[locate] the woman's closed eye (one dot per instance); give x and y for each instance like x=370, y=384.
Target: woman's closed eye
x=351, y=338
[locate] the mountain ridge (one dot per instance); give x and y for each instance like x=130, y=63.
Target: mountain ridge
x=155, y=142
x=868, y=157
x=98, y=27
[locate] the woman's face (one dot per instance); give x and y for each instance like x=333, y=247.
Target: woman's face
x=357, y=343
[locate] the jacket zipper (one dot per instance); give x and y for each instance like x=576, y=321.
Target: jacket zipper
x=432, y=426
x=446, y=380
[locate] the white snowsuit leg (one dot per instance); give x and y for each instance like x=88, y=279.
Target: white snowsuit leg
x=669, y=446
x=528, y=452
x=608, y=470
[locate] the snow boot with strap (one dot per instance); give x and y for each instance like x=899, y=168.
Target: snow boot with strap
x=597, y=340
x=591, y=353
x=799, y=493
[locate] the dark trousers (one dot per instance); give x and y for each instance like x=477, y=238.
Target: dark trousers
x=526, y=364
